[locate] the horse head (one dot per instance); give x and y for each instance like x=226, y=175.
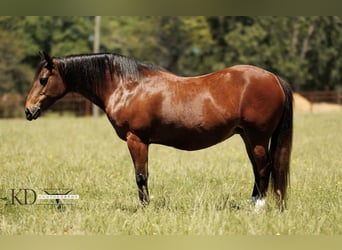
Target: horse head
x=47, y=87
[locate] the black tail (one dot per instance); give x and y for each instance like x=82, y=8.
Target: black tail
x=281, y=144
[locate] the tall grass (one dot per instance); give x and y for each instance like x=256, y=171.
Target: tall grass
x=206, y=192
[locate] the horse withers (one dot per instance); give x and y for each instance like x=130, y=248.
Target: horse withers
x=147, y=104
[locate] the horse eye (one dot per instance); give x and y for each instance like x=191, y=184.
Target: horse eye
x=43, y=81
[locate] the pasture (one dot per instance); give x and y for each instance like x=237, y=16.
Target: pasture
x=204, y=192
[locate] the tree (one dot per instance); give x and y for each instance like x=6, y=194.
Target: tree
x=13, y=73
x=57, y=36
x=175, y=43
x=196, y=56
x=325, y=54
x=304, y=50
x=131, y=36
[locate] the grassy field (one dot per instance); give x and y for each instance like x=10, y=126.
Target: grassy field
x=192, y=193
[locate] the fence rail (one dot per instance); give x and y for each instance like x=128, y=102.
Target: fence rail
x=74, y=103
x=323, y=96
x=12, y=105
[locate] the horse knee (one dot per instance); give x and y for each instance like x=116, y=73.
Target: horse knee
x=263, y=162
x=259, y=152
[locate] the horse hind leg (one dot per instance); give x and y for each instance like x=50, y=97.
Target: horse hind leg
x=258, y=154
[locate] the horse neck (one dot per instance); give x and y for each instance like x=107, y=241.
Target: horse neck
x=94, y=88
x=98, y=93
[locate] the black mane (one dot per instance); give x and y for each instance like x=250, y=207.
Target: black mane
x=87, y=69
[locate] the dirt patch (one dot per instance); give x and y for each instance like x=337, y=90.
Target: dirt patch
x=301, y=104
x=326, y=107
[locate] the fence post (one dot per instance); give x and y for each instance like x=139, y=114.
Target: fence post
x=88, y=105
x=339, y=96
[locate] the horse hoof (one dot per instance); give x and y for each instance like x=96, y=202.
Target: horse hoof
x=259, y=203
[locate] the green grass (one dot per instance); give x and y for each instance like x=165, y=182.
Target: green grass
x=198, y=193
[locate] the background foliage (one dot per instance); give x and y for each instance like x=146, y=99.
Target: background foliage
x=304, y=50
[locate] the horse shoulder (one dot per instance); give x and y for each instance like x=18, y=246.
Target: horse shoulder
x=134, y=108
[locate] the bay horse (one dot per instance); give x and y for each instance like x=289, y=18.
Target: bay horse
x=147, y=104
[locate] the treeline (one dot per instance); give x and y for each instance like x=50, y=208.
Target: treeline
x=304, y=50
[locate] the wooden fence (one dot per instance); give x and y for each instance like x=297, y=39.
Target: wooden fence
x=323, y=96
x=73, y=103
x=12, y=105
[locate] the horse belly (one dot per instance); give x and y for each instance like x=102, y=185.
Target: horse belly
x=195, y=122
x=191, y=139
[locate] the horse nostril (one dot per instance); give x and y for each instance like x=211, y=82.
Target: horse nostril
x=32, y=113
x=28, y=114
x=37, y=113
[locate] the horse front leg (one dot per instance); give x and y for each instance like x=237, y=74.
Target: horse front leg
x=139, y=153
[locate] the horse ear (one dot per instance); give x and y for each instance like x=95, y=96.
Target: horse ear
x=41, y=54
x=47, y=58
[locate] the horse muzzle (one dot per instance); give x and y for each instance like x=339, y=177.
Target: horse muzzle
x=32, y=113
